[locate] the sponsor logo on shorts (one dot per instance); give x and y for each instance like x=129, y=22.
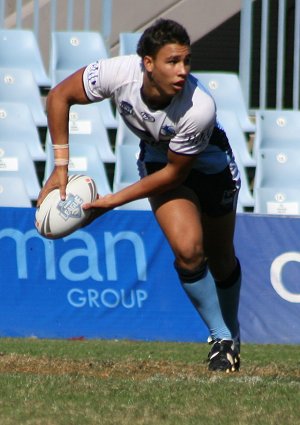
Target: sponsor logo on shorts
x=228, y=197
x=70, y=208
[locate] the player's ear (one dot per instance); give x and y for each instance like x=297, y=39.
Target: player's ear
x=148, y=63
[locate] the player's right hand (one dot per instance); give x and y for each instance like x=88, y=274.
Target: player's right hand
x=57, y=180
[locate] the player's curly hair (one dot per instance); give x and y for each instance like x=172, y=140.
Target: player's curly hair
x=163, y=31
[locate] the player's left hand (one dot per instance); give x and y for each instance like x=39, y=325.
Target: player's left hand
x=102, y=203
x=97, y=207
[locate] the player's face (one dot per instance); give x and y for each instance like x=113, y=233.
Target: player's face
x=169, y=69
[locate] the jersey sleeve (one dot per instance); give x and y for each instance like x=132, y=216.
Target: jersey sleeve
x=101, y=78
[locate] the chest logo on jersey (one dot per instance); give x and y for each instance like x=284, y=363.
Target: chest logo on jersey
x=168, y=130
x=147, y=117
x=126, y=108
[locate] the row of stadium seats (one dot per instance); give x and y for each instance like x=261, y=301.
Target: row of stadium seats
x=276, y=150
x=20, y=186
x=69, y=51
x=276, y=177
x=23, y=72
x=72, y=50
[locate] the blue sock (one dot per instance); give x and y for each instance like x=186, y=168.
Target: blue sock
x=201, y=290
x=229, y=295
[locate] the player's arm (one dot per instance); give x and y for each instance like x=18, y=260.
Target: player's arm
x=169, y=177
x=59, y=101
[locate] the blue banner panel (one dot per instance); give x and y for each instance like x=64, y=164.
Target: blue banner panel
x=269, y=249
x=115, y=279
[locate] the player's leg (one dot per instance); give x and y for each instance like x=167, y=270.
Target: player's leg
x=223, y=264
x=225, y=267
x=178, y=214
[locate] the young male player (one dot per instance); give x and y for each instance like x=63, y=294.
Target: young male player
x=186, y=164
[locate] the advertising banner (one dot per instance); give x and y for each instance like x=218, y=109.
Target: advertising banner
x=115, y=279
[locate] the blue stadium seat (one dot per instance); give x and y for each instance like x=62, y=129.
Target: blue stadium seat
x=19, y=49
x=276, y=129
x=277, y=200
x=126, y=173
x=245, y=199
x=128, y=42
x=229, y=121
x=13, y=192
x=124, y=136
x=277, y=168
x=107, y=113
x=126, y=164
x=239, y=208
x=227, y=92
x=18, y=85
x=86, y=124
x=17, y=125
x=138, y=205
x=71, y=51
x=15, y=161
x=84, y=159
x=104, y=107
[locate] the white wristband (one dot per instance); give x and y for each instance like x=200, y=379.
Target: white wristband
x=61, y=161
x=55, y=147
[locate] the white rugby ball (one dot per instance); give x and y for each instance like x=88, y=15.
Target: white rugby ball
x=56, y=218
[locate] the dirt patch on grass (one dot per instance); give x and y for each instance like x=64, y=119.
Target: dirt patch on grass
x=130, y=369
x=103, y=369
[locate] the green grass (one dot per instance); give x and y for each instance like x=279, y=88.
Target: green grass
x=57, y=382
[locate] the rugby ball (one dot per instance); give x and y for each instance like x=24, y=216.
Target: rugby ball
x=56, y=218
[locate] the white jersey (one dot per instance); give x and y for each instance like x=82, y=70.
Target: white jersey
x=185, y=126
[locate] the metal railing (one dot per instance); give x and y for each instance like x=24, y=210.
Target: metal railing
x=248, y=26
x=46, y=16
x=23, y=9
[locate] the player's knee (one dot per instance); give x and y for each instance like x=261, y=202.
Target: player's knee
x=190, y=256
